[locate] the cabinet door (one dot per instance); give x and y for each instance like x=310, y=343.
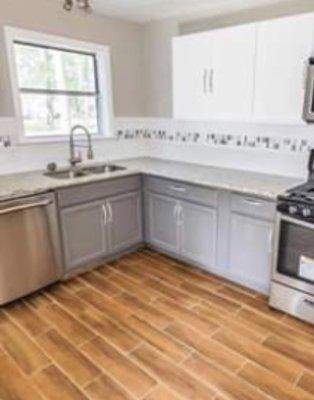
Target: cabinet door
x=198, y=233
x=284, y=47
x=163, y=229
x=192, y=59
x=125, y=221
x=251, y=251
x=84, y=234
x=232, y=75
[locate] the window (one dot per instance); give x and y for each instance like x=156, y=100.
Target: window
x=57, y=85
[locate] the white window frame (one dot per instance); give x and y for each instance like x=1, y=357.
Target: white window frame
x=102, y=54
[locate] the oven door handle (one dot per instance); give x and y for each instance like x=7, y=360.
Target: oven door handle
x=270, y=241
x=296, y=221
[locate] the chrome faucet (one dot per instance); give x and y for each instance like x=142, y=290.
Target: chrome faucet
x=76, y=159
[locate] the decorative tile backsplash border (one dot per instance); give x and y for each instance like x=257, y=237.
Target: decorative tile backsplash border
x=275, y=143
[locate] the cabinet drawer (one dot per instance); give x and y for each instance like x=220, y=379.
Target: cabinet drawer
x=253, y=206
x=182, y=190
x=97, y=190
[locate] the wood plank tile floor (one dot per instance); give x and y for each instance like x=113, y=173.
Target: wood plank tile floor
x=147, y=327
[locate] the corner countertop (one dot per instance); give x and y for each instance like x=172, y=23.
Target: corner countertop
x=251, y=183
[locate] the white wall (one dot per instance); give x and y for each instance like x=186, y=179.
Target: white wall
x=158, y=67
x=258, y=13
x=124, y=39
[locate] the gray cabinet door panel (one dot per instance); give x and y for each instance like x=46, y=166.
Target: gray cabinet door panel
x=199, y=234
x=125, y=228
x=251, y=250
x=84, y=234
x=163, y=227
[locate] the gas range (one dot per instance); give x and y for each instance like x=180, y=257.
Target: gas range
x=298, y=202
x=292, y=286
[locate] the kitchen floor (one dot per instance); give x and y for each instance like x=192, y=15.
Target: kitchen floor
x=148, y=327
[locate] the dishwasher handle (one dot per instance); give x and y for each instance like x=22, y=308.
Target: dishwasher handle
x=21, y=207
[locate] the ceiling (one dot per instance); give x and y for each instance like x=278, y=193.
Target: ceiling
x=184, y=10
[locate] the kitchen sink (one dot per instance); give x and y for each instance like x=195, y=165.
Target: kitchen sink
x=103, y=169
x=71, y=173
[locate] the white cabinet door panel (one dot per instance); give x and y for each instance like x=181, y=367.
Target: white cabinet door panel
x=191, y=68
x=284, y=47
x=233, y=72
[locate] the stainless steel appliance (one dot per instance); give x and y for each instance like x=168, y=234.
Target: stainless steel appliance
x=308, y=113
x=292, y=288
x=30, y=256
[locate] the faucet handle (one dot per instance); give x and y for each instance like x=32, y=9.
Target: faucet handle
x=76, y=159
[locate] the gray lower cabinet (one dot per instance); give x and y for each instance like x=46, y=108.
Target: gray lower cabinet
x=84, y=233
x=251, y=251
x=125, y=221
x=93, y=230
x=198, y=233
x=162, y=224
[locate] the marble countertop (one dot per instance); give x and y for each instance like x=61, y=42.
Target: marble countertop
x=258, y=184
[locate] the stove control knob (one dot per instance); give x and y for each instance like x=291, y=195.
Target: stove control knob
x=293, y=210
x=306, y=212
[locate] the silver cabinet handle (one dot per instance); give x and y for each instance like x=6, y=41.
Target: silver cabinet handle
x=178, y=189
x=211, y=80
x=305, y=74
x=175, y=211
x=26, y=206
x=110, y=212
x=253, y=202
x=205, y=81
x=104, y=213
x=180, y=215
x=270, y=241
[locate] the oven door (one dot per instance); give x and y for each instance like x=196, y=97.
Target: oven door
x=293, y=263
x=308, y=112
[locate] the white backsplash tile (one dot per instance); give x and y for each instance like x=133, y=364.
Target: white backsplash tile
x=279, y=150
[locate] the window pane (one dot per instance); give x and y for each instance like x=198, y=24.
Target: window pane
x=41, y=68
x=46, y=115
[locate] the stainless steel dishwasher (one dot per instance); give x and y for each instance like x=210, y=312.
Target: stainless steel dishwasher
x=30, y=256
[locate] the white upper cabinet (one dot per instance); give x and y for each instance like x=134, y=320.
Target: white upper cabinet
x=283, y=49
x=213, y=74
x=254, y=72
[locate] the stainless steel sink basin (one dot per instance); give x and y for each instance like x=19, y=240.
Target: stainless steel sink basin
x=71, y=173
x=103, y=169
